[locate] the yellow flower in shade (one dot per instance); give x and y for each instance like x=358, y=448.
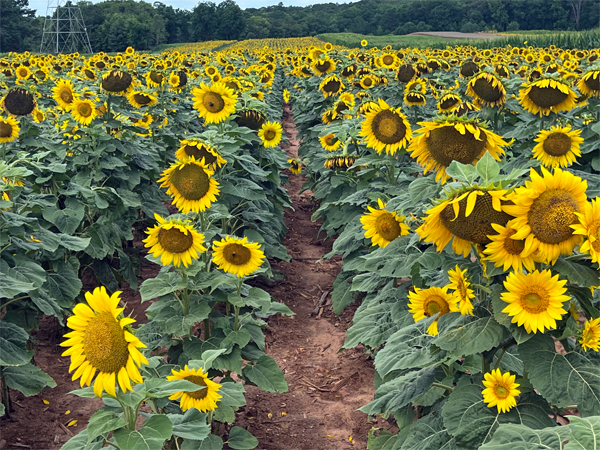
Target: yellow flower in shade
x=433, y=301
x=385, y=128
x=535, y=300
x=500, y=391
x=589, y=226
x=9, y=129
x=545, y=208
x=506, y=252
x=201, y=151
x=383, y=226
x=175, y=241
x=139, y=99
x=63, y=94
x=191, y=185
x=448, y=103
x=487, y=90
x=204, y=399
x=546, y=95
x=295, y=166
x=589, y=83
x=340, y=161
x=439, y=143
x=270, y=134
x=286, y=96
x=101, y=343
x=237, y=255
x=590, y=336
x=464, y=219
x=214, y=103
x=364, y=43
x=557, y=147
x=331, y=86
x=83, y=111
x=330, y=142
x=117, y=82
x=38, y=116
x=462, y=293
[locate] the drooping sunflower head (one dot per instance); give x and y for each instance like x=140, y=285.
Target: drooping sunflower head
x=448, y=102
x=330, y=142
x=487, y=89
x=463, y=294
x=558, y=147
x=214, y=103
x=468, y=69
x=589, y=83
x=590, y=335
x=546, y=95
x=100, y=342
x=431, y=302
x=139, y=99
x=155, y=79
x=251, y=119
x=117, y=82
x=84, y=111
x=383, y=226
x=451, y=138
x=414, y=98
x=340, y=161
x=465, y=218
x=237, y=255
x=201, y=151
x=323, y=65
x=331, y=86
x=588, y=226
x=500, y=390
x=205, y=398
x=270, y=134
x=191, y=185
x=386, y=128
x=295, y=165
x=18, y=102
x=9, y=129
x=405, y=73
x=175, y=241
x=545, y=208
x=535, y=300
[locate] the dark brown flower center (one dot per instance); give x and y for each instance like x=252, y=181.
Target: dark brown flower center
x=388, y=127
x=270, y=135
x=19, y=102
x=236, y=254
x=546, y=97
x=117, y=81
x=198, y=152
x=446, y=144
x=191, y=181
x=593, y=83
x=557, y=144
x=5, y=130
x=551, y=215
x=84, y=110
x=449, y=102
x=387, y=226
x=405, y=73
x=104, y=343
x=213, y=102
x=200, y=393
x=332, y=86
x=388, y=60
x=174, y=240
x=513, y=246
x=142, y=99
x=157, y=77
x=486, y=90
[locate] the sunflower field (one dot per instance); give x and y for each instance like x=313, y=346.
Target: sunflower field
x=461, y=186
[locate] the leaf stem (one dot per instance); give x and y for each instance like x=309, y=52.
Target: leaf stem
x=443, y=386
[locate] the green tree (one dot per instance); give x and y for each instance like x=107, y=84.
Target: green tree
x=16, y=19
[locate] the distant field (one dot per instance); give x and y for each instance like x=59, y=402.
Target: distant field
x=352, y=40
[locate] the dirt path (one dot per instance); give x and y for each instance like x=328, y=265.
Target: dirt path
x=325, y=387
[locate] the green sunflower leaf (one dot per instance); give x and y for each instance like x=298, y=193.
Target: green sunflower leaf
x=191, y=425
x=28, y=379
x=585, y=433
x=13, y=340
x=151, y=436
x=241, y=439
x=102, y=422
x=429, y=433
x=266, y=374
x=521, y=437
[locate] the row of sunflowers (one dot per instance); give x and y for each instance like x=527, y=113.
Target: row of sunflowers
x=462, y=188
x=109, y=157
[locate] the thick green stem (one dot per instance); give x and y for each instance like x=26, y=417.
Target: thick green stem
x=500, y=358
x=236, y=320
x=443, y=386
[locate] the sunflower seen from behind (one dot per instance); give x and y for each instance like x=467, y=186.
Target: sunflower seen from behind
x=201, y=151
x=557, y=147
x=101, y=343
x=385, y=128
x=588, y=226
x=191, y=185
x=383, y=226
x=270, y=134
x=204, y=399
x=237, y=255
x=500, y=390
x=175, y=241
x=431, y=302
x=214, y=103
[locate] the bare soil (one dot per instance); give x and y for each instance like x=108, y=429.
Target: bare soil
x=326, y=386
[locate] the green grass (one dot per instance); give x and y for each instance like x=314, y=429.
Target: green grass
x=352, y=40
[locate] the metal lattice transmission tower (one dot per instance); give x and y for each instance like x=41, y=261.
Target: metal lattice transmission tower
x=64, y=29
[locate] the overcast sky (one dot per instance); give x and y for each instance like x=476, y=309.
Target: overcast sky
x=41, y=5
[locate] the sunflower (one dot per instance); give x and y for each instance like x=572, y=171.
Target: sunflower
x=117, y=82
x=38, y=116
x=383, y=226
x=589, y=226
x=557, y=147
x=590, y=336
x=175, y=241
x=286, y=96
x=413, y=98
x=462, y=293
x=487, y=89
x=22, y=72
x=506, y=252
x=270, y=134
x=468, y=69
x=343, y=161
x=9, y=129
x=101, y=342
x=367, y=81
x=323, y=66
x=251, y=119
x=139, y=99
x=330, y=142
x=500, y=391
x=589, y=83
x=465, y=218
x=154, y=79
x=385, y=128
x=545, y=209
x=546, y=95
x=387, y=60
x=434, y=301
x=215, y=103
x=84, y=111
x=201, y=151
x=449, y=139
x=18, y=102
x=295, y=166
x=535, y=300
x=331, y=86
x=405, y=73
x=63, y=94
x=204, y=399
x=237, y=255
x=448, y=103
x=191, y=185
x=364, y=43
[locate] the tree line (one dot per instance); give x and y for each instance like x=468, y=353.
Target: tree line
x=114, y=25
